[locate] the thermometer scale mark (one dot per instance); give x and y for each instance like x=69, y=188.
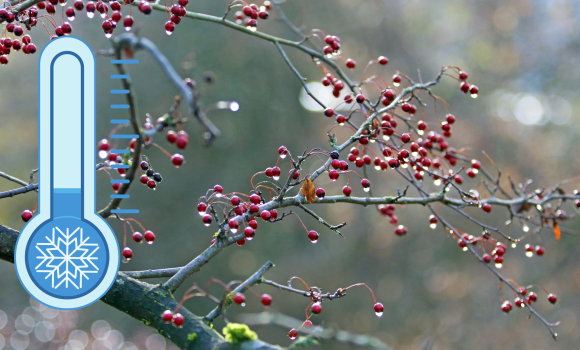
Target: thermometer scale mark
x=121, y=136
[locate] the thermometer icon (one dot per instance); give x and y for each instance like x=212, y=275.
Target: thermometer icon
x=67, y=256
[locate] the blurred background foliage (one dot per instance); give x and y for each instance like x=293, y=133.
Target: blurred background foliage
x=523, y=55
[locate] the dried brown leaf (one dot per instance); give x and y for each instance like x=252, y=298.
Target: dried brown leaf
x=309, y=190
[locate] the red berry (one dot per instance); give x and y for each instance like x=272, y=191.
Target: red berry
x=254, y=198
x=333, y=175
x=552, y=298
x=117, y=186
x=26, y=215
x=340, y=119
x=329, y=112
x=282, y=151
x=182, y=139
x=320, y=193
x=533, y=296
x=383, y=60
x=313, y=236
x=233, y=224
x=450, y=118
x=464, y=86
x=239, y=298
x=137, y=237
x=486, y=258
x=498, y=259
x=401, y=230
x=539, y=250
x=151, y=184
x=103, y=145
x=149, y=236
x=201, y=208
x=169, y=27
x=241, y=242
x=206, y=219
x=178, y=320
x=350, y=63
x=177, y=160
x=307, y=323
x=365, y=184
x=273, y=214
x=293, y=334
x=266, y=300
x=379, y=309
x=405, y=138
x=265, y=215
x=462, y=75
x=127, y=253
x=473, y=90
x=486, y=207
x=235, y=200
x=316, y=308
x=167, y=316
x=249, y=233
x=506, y=306
x=253, y=223
x=346, y=190
x=396, y=79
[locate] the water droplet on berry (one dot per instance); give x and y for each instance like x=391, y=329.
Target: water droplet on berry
x=433, y=226
x=526, y=228
x=103, y=15
x=234, y=230
x=71, y=18
x=465, y=249
x=404, y=165
x=108, y=35
x=276, y=178
x=498, y=266
x=437, y=182
x=243, y=304
x=529, y=254
x=386, y=137
x=102, y=154
x=207, y=224
x=367, y=189
x=514, y=245
x=314, y=241
x=420, y=132
x=379, y=314
x=474, y=95
x=90, y=14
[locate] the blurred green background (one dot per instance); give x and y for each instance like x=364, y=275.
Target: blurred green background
x=522, y=54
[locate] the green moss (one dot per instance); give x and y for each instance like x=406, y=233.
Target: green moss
x=192, y=336
x=236, y=333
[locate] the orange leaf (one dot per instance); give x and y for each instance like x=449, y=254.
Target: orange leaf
x=556, y=230
x=308, y=190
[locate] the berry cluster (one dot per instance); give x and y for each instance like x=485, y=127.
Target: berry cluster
x=138, y=237
x=251, y=12
x=524, y=298
x=150, y=178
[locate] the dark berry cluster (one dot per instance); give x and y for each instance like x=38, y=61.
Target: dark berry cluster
x=150, y=177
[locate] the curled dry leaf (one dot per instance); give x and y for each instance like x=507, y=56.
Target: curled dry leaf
x=556, y=230
x=309, y=190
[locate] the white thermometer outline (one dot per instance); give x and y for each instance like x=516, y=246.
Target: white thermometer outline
x=73, y=172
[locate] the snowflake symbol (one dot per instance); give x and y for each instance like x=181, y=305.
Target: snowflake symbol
x=66, y=258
